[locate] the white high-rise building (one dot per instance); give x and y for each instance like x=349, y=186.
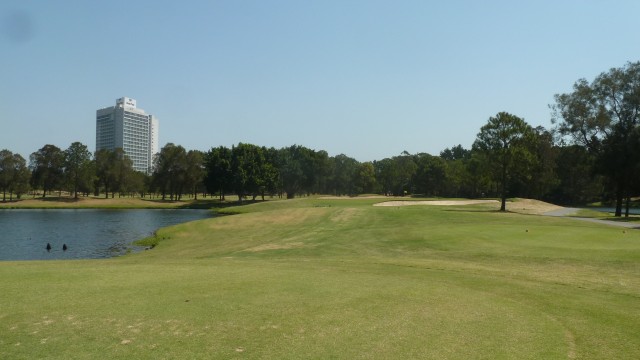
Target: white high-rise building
x=127, y=127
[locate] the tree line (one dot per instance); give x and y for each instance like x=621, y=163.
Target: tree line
x=591, y=154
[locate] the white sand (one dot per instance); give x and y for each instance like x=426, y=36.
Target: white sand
x=436, y=202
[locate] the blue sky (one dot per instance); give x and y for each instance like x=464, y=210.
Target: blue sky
x=369, y=79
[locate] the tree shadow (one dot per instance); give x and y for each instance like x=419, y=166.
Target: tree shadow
x=479, y=211
x=622, y=219
x=62, y=199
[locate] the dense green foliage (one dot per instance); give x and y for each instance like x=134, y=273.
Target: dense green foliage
x=604, y=117
x=340, y=279
x=504, y=142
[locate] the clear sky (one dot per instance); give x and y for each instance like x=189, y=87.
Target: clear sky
x=368, y=79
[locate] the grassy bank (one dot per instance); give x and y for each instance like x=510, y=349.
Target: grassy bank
x=323, y=278
x=92, y=202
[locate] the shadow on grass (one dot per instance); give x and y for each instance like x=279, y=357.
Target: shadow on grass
x=204, y=204
x=62, y=199
x=622, y=219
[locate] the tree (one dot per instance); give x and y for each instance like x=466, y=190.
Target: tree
x=578, y=182
x=194, y=171
x=7, y=172
x=297, y=169
x=540, y=177
x=365, y=178
x=218, y=176
x=602, y=116
x=503, y=143
x=270, y=174
x=113, y=170
x=21, y=177
x=344, y=171
x=104, y=160
x=251, y=172
x=77, y=161
x=431, y=175
x=396, y=174
x=455, y=153
x=47, y=168
x=170, y=170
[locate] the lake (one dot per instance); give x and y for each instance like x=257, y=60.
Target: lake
x=88, y=233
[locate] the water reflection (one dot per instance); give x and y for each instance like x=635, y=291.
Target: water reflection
x=88, y=233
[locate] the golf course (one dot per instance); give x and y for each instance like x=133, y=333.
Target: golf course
x=339, y=278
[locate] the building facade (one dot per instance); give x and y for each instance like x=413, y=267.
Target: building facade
x=127, y=127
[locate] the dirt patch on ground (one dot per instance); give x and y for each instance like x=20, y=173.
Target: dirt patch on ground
x=344, y=215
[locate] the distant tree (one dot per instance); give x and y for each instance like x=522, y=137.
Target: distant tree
x=296, y=168
x=194, y=171
x=396, y=174
x=113, y=170
x=136, y=184
x=455, y=153
x=7, y=171
x=251, y=172
x=170, y=171
x=603, y=116
x=271, y=176
x=456, y=174
x=344, y=173
x=578, y=181
x=365, y=178
x=478, y=178
x=125, y=173
x=21, y=177
x=218, y=176
x=459, y=182
x=87, y=178
x=320, y=172
x=503, y=142
x=104, y=162
x=542, y=177
x=431, y=175
x=77, y=162
x=47, y=168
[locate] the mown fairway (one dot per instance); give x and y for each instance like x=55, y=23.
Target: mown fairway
x=340, y=279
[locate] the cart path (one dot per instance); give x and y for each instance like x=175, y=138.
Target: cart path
x=569, y=211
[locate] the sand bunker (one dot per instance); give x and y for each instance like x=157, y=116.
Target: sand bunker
x=521, y=206
x=436, y=202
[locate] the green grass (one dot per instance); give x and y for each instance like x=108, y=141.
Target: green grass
x=323, y=279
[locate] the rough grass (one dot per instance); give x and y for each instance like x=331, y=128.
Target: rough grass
x=68, y=202
x=322, y=278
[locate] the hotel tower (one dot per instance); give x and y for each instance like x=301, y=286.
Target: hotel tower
x=127, y=127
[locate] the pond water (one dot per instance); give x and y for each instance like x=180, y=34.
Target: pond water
x=87, y=233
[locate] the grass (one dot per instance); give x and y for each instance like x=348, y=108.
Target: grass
x=91, y=202
x=320, y=278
